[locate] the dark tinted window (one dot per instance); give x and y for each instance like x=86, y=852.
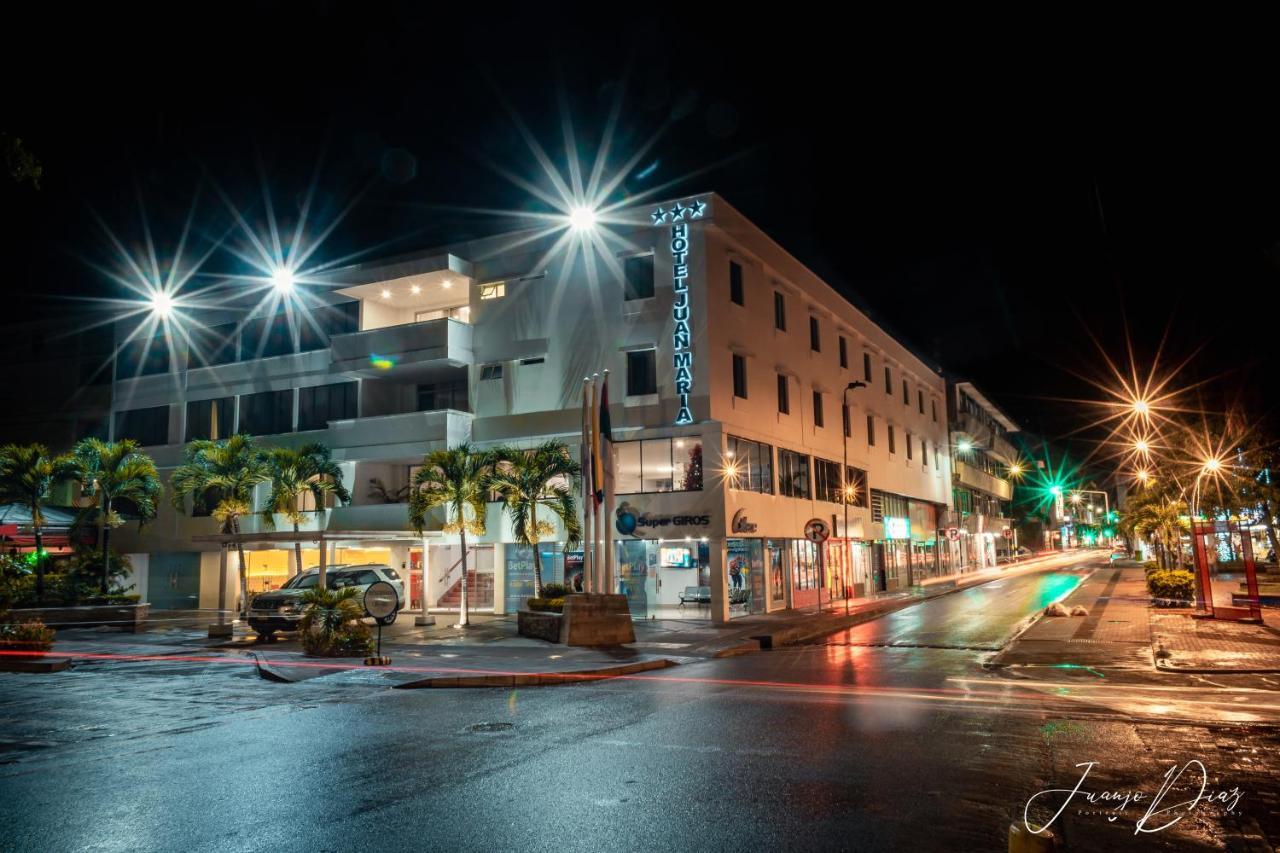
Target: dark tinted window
x=144, y=357
x=784, y=399
x=639, y=277
x=735, y=284
x=319, y=404
x=815, y=339
x=642, y=372
x=214, y=345
x=844, y=352
x=740, y=376
x=817, y=409
x=267, y=412
x=211, y=418
x=146, y=426
x=779, y=311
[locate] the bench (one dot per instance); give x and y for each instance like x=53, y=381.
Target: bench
x=696, y=595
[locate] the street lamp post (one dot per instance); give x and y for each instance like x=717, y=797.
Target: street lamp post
x=844, y=475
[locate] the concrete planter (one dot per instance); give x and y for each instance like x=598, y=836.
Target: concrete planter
x=593, y=619
x=539, y=625
x=131, y=618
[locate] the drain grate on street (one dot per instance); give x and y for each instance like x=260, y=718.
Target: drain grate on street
x=491, y=727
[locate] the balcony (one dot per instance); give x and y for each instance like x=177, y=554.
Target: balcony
x=976, y=478
x=409, y=351
x=403, y=436
x=985, y=438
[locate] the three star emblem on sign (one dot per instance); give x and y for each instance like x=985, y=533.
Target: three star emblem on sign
x=678, y=211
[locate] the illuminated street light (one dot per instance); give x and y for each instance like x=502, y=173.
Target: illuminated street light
x=161, y=304
x=582, y=218
x=1144, y=476
x=1212, y=464
x=282, y=279
x=1141, y=407
x=1015, y=469
x=964, y=446
x=1075, y=498
x=1055, y=490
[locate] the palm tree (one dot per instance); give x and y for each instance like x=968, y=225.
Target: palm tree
x=1158, y=517
x=309, y=469
x=27, y=473
x=225, y=473
x=108, y=471
x=529, y=479
x=456, y=479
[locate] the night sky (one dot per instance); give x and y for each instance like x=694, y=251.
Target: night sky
x=994, y=206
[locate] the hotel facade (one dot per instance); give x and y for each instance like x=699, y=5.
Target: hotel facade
x=729, y=364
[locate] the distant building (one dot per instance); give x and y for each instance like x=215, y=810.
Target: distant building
x=981, y=488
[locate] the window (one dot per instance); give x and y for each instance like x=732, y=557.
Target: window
x=856, y=479
x=490, y=371
x=888, y=381
x=212, y=345
x=934, y=404
x=319, y=404
x=642, y=372
x=779, y=311
x=143, y=357
x=496, y=290
x=924, y=453
x=211, y=418
x=443, y=395
x=906, y=394
x=659, y=465
x=793, y=474
x=804, y=565
x=148, y=427
x=909, y=456
x=784, y=401
x=844, y=419
x=866, y=367
x=826, y=480
x=329, y=320
x=817, y=409
x=638, y=272
x=815, y=339
x=844, y=352
x=736, y=295
x=892, y=448
x=920, y=395
x=265, y=337
x=739, y=376
x=871, y=430
x=752, y=463
x=267, y=412
x=538, y=359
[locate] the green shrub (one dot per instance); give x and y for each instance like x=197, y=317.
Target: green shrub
x=554, y=590
x=70, y=581
x=546, y=605
x=32, y=635
x=1172, y=585
x=331, y=624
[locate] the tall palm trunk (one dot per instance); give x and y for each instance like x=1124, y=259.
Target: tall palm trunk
x=106, y=546
x=537, y=556
x=35, y=527
x=244, y=570
x=462, y=538
x=1271, y=527
x=297, y=549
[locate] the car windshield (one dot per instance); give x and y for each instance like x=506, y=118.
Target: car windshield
x=304, y=581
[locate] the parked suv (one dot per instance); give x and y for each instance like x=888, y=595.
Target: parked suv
x=280, y=609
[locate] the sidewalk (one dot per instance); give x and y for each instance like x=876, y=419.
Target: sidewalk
x=489, y=652
x=1122, y=631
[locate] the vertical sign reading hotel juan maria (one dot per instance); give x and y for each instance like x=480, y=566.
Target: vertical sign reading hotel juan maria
x=682, y=328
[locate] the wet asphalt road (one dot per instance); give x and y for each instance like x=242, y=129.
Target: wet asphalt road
x=889, y=736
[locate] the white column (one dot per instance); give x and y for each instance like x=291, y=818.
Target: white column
x=719, y=581
x=425, y=569
x=500, y=577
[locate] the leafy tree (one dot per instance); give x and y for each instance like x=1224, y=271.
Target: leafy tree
x=21, y=164
x=109, y=471
x=1154, y=515
x=539, y=478
x=220, y=476
x=456, y=480
x=309, y=469
x=27, y=473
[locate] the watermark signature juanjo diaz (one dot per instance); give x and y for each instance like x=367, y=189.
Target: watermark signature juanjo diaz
x=1184, y=789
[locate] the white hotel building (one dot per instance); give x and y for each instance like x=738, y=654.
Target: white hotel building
x=729, y=440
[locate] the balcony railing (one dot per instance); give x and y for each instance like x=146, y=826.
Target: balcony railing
x=976, y=478
x=398, y=436
x=399, y=349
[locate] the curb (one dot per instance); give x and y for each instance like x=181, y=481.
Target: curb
x=537, y=679
x=34, y=664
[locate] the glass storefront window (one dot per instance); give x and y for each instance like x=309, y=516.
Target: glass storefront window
x=754, y=463
x=793, y=474
x=745, y=575
x=774, y=550
x=659, y=465
x=804, y=565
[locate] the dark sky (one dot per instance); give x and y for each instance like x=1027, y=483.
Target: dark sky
x=994, y=201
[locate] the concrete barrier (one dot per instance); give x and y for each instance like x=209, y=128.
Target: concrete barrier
x=593, y=619
x=131, y=618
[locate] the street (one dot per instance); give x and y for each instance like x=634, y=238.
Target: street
x=896, y=734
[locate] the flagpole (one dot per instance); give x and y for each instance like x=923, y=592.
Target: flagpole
x=597, y=485
x=588, y=491
x=606, y=456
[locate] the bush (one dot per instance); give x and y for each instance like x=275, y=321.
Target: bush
x=1172, y=585
x=33, y=635
x=546, y=605
x=554, y=590
x=1151, y=566
x=69, y=581
x=331, y=624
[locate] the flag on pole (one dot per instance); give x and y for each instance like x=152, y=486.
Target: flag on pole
x=588, y=490
x=597, y=463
